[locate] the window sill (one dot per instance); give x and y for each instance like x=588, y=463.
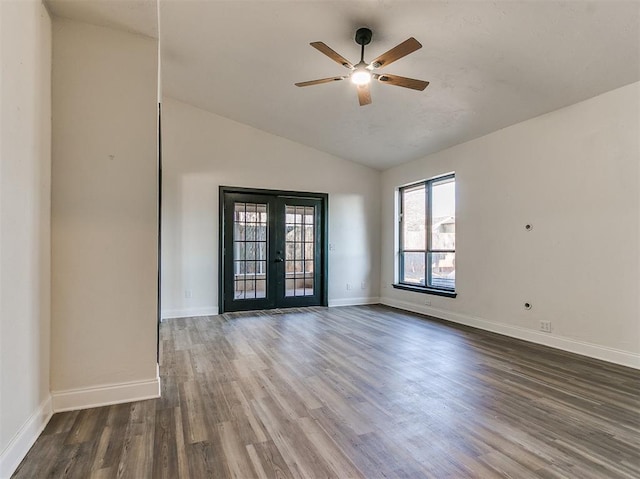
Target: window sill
x=425, y=290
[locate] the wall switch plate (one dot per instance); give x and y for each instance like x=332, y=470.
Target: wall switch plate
x=363, y=285
x=187, y=293
x=427, y=302
x=545, y=326
x=348, y=286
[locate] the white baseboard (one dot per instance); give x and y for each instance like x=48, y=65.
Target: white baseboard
x=74, y=399
x=22, y=441
x=189, y=312
x=353, y=301
x=616, y=356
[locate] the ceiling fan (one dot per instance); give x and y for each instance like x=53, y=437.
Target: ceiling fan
x=362, y=73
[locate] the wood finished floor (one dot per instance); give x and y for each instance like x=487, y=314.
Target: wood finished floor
x=354, y=392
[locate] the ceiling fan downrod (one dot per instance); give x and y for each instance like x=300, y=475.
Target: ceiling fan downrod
x=363, y=37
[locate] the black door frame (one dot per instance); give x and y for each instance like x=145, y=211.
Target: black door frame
x=324, y=233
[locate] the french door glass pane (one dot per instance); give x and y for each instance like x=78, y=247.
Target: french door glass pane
x=414, y=268
x=443, y=215
x=250, y=232
x=443, y=270
x=299, y=250
x=413, y=215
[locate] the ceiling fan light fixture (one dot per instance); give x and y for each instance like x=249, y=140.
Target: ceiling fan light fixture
x=361, y=76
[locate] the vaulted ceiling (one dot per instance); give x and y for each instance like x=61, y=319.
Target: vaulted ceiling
x=489, y=64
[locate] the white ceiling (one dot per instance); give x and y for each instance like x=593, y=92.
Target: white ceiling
x=133, y=16
x=490, y=64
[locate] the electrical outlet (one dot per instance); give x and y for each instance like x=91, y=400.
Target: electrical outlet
x=427, y=302
x=545, y=326
x=187, y=293
x=348, y=286
x=332, y=247
x=363, y=285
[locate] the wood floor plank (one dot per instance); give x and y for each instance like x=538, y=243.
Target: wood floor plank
x=194, y=419
x=247, y=413
x=206, y=459
x=181, y=451
x=235, y=452
x=295, y=448
x=165, y=452
x=61, y=423
x=329, y=450
x=362, y=392
x=266, y=457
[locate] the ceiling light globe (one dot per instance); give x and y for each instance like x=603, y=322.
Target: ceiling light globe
x=361, y=77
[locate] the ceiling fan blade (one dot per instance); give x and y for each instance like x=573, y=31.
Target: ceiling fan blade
x=397, y=52
x=318, y=82
x=364, y=94
x=402, y=81
x=336, y=57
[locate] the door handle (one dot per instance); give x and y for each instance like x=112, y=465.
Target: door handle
x=279, y=260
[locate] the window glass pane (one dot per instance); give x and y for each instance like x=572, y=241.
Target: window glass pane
x=261, y=288
x=308, y=251
x=261, y=268
x=250, y=215
x=414, y=270
x=443, y=215
x=239, y=250
x=238, y=233
x=262, y=213
x=443, y=270
x=308, y=266
x=289, y=213
x=309, y=213
x=413, y=218
x=239, y=267
x=308, y=233
x=289, y=289
x=238, y=212
x=250, y=232
x=250, y=292
x=239, y=289
x=308, y=287
x=290, y=250
x=289, y=233
x=299, y=287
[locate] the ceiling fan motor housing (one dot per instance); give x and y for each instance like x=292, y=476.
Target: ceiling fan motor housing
x=363, y=36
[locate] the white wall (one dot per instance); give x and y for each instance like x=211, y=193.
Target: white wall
x=573, y=174
x=104, y=216
x=202, y=151
x=25, y=178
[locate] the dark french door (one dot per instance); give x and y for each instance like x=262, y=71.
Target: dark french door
x=273, y=249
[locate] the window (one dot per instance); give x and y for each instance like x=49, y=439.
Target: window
x=427, y=249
